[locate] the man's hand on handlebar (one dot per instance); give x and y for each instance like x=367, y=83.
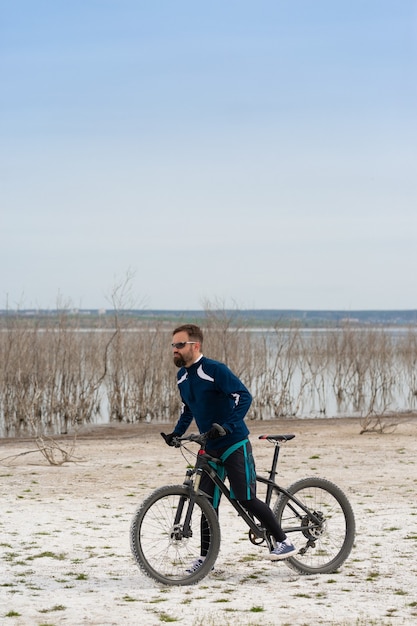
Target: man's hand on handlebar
x=171, y=439
x=174, y=440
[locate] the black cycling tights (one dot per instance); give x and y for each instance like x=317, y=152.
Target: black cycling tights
x=258, y=509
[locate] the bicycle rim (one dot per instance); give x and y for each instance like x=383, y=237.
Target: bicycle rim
x=323, y=546
x=158, y=541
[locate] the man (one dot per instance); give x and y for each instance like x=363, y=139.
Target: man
x=212, y=394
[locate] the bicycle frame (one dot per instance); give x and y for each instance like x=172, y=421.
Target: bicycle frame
x=203, y=465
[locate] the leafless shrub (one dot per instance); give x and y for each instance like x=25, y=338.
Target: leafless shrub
x=367, y=374
x=139, y=386
x=407, y=349
x=141, y=381
x=56, y=376
x=50, y=377
x=276, y=386
x=264, y=361
x=54, y=452
x=226, y=338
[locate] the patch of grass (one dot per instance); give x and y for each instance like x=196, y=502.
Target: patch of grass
x=56, y=607
x=164, y=617
x=27, y=572
x=47, y=554
x=248, y=558
x=158, y=600
x=12, y=614
x=257, y=609
x=129, y=599
x=391, y=611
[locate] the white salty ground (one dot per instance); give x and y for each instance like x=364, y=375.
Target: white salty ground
x=64, y=548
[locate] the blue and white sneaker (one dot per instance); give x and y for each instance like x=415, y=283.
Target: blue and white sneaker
x=283, y=550
x=195, y=565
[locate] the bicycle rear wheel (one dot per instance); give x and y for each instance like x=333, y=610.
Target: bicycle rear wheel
x=323, y=545
x=162, y=546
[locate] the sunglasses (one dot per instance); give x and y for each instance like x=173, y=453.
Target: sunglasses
x=181, y=344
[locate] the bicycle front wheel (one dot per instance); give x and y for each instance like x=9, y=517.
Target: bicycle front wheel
x=164, y=544
x=323, y=531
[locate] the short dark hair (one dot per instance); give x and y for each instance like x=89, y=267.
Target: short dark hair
x=193, y=331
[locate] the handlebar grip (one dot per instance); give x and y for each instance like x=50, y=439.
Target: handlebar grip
x=222, y=431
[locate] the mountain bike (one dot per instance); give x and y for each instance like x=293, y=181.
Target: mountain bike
x=166, y=527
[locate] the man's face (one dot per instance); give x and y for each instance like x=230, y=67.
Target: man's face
x=186, y=355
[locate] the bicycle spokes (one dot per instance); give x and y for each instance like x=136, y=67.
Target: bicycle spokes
x=321, y=524
x=166, y=535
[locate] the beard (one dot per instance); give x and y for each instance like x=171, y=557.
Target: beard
x=179, y=361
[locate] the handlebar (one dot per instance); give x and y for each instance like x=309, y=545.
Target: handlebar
x=201, y=438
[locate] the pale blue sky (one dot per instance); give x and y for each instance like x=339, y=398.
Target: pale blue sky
x=261, y=154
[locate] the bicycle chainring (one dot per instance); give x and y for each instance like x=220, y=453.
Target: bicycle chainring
x=255, y=539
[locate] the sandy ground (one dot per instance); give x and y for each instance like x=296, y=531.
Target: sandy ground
x=64, y=546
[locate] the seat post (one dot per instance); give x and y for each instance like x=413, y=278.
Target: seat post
x=273, y=471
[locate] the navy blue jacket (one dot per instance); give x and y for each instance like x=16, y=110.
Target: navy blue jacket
x=211, y=393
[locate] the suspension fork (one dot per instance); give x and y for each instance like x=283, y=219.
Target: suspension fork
x=193, y=488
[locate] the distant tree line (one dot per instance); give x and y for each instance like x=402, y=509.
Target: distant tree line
x=262, y=317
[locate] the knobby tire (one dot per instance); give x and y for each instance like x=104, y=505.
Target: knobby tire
x=159, y=549
x=324, y=548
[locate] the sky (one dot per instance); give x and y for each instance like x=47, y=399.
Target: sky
x=174, y=154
